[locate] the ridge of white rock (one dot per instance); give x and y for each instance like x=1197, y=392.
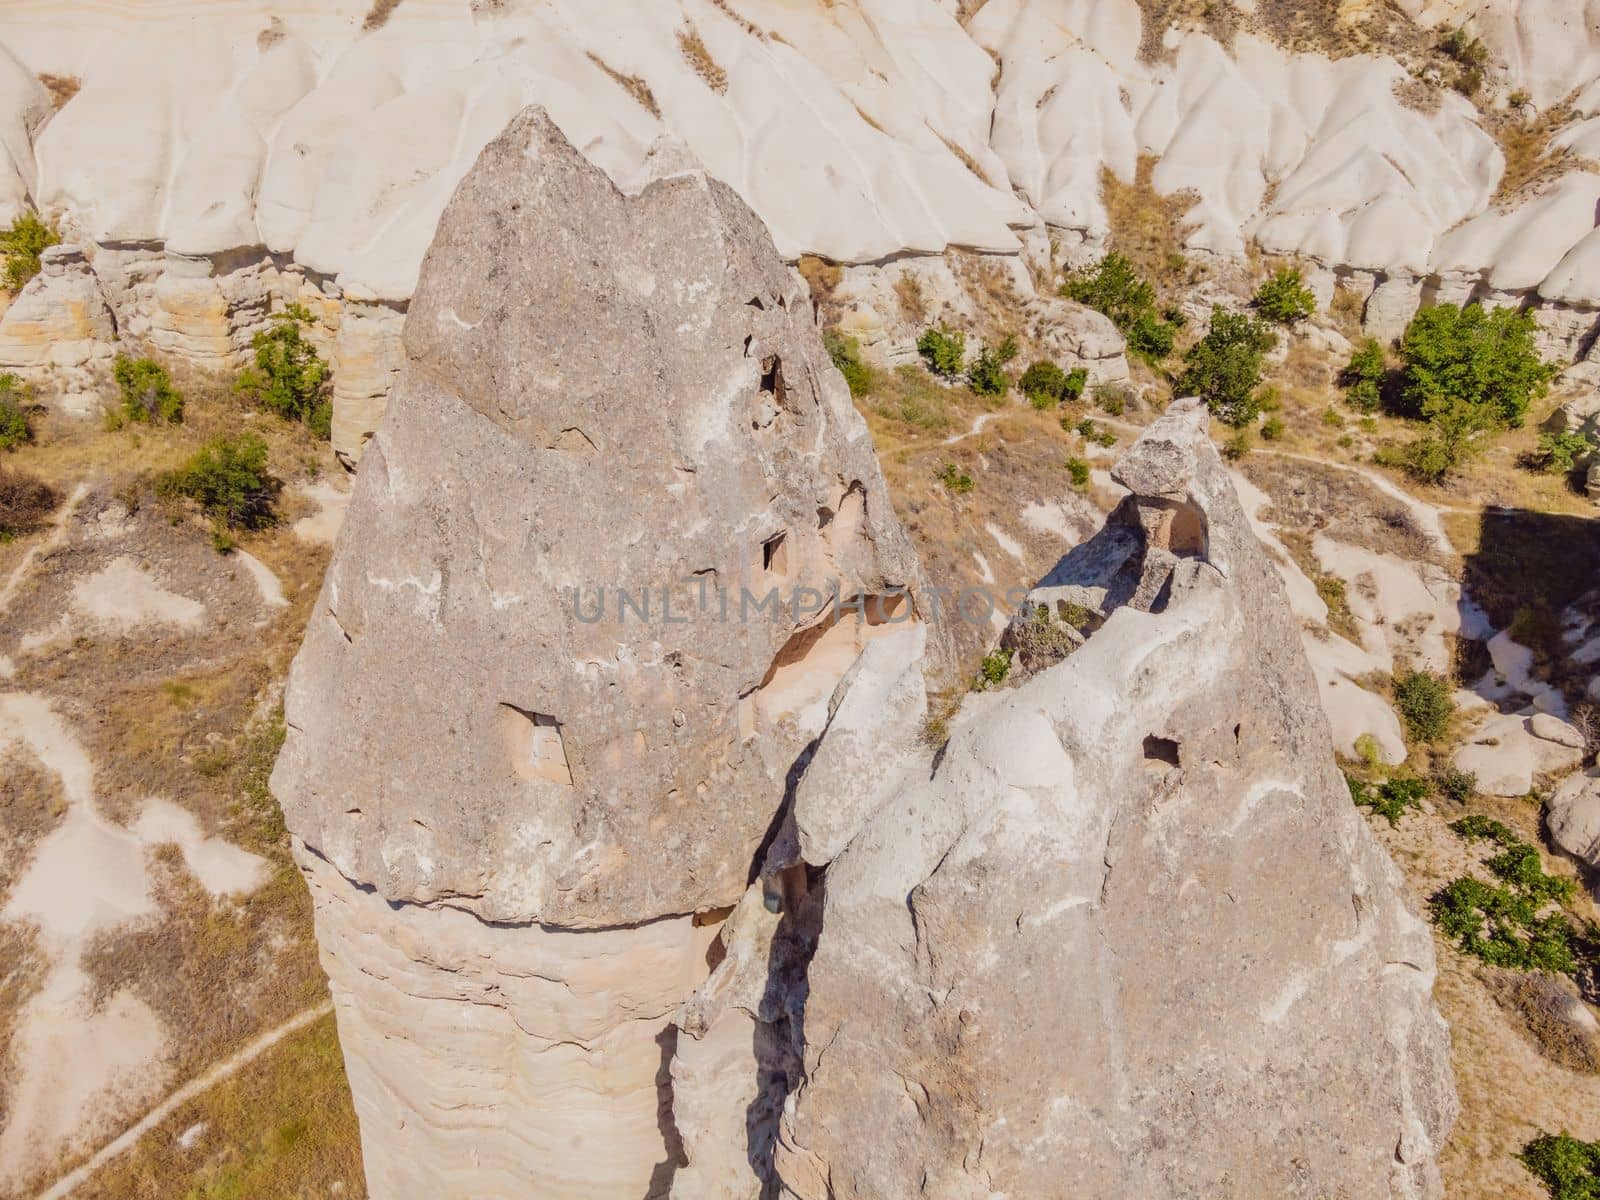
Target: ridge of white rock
x=221, y=158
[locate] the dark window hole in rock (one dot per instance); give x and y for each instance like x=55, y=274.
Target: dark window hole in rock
x=1160, y=749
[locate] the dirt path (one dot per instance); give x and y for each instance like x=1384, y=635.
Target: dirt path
x=20, y=571
x=216, y=1074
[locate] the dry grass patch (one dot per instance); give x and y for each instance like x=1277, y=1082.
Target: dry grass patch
x=1530, y=158
x=963, y=157
x=822, y=277
x=1547, y=1005
x=61, y=88
x=378, y=15
x=632, y=84
x=282, y=1127
x=697, y=56
x=1148, y=228
x=1310, y=498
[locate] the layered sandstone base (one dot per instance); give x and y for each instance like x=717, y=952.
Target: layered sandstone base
x=505, y=1060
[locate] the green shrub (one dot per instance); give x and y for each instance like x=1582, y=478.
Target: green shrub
x=1504, y=923
x=846, y=355
x=987, y=375
x=1112, y=287
x=1272, y=429
x=992, y=671
x=1568, y=1168
x=25, y=501
x=1151, y=338
x=1456, y=784
x=14, y=425
x=1478, y=828
x=1238, y=445
x=148, y=396
x=1224, y=367
x=1464, y=48
x=943, y=350
x=957, y=480
x=1331, y=418
x=1111, y=398
x=1389, y=799
x=1559, y=452
x=289, y=376
x=21, y=246
x=1091, y=432
x=1047, y=385
x=1363, y=377
x=1079, y=471
x=1284, y=299
x=1425, y=704
x=228, y=478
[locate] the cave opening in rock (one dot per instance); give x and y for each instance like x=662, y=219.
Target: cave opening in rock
x=772, y=377
x=810, y=664
x=1160, y=749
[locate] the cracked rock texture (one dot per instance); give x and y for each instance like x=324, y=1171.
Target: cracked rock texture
x=1127, y=937
x=522, y=799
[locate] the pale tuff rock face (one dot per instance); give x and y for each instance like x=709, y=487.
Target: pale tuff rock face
x=524, y=785
x=1128, y=932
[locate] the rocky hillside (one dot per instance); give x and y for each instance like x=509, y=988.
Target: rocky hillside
x=211, y=157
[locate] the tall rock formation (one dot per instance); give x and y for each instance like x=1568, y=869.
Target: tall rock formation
x=575, y=634
x=1125, y=935
x=633, y=873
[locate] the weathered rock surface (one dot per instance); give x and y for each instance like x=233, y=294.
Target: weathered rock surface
x=1573, y=817
x=1128, y=936
x=59, y=324
x=538, y=722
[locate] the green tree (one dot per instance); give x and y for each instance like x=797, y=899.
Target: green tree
x=14, y=425
x=1467, y=372
x=1224, y=367
x=148, y=396
x=1284, y=299
x=1471, y=357
x=1560, y=450
x=1150, y=338
x=987, y=375
x=1364, y=375
x=1114, y=288
x=21, y=245
x=229, y=479
x=289, y=377
x=943, y=350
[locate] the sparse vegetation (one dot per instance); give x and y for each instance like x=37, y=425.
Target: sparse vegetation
x=15, y=428
x=1456, y=784
x=1115, y=289
x=1425, y=704
x=1272, y=429
x=992, y=671
x=1046, y=385
x=21, y=246
x=1506, y=923
x=148, y=396
x=1224, y=367
x=1568, y=1168
x=1111, y=399
x=1078, y=470
x=1559, y=451
x=943, y=350
x=1363, y=377
x=289, y=377
x=1471, y=55
x=229, y=479
x=25, y=501
x=1284, y=299
x=697, y=56
x=1090, y=432
x=1391, y=798
x=632, y=84
x=846, y=355
x=987, y=375
x=955, y=479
